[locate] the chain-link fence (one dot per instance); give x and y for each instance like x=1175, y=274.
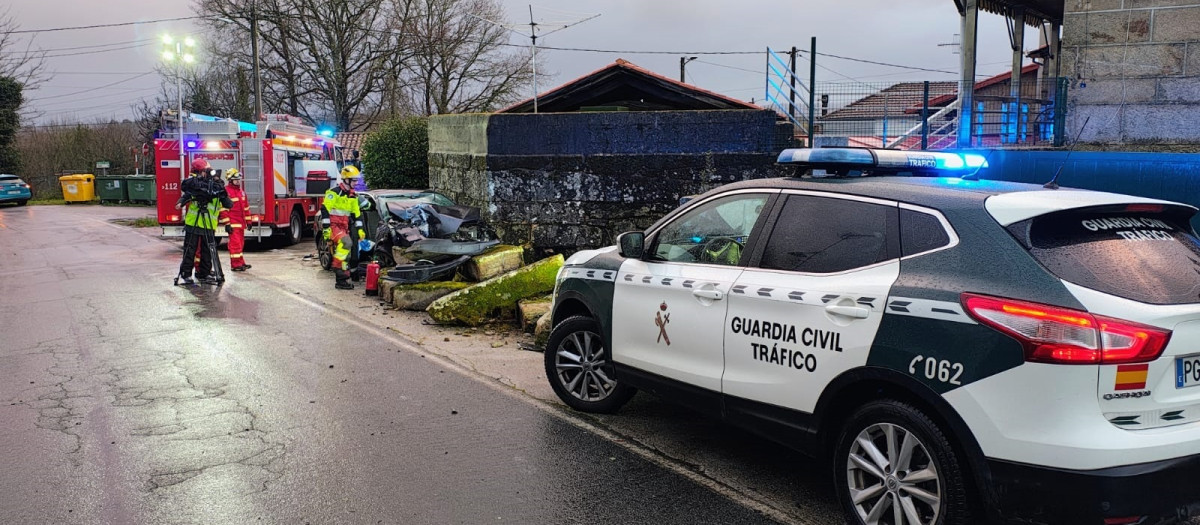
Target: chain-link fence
x=925, y=115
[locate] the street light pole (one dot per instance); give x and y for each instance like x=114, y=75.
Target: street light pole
x=181, y=50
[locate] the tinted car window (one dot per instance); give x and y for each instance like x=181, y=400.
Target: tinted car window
x=921, y=232
x=714, y=232
x=1146, y=257
x=8, y=177
x=824, y=235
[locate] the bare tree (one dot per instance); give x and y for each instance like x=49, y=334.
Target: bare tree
x=19, y=60
x=460, y=62
x=326, y=60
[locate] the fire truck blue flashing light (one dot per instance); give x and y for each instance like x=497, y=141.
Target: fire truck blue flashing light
x=325, y=132
x=860, y=159
x=191, y=144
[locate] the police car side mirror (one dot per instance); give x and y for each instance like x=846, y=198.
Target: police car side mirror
x=631, y=244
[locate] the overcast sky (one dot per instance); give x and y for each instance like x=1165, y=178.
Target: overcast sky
x=904, y=32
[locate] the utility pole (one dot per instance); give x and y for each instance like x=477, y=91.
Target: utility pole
x=792, y=92
x=812, y=90
x=254, y=51
x=683, y=61
x=533, y=36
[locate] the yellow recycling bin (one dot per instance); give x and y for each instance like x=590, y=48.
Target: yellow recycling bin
x=78, y=188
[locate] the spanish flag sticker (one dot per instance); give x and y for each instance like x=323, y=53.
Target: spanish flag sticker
x=1132, y=377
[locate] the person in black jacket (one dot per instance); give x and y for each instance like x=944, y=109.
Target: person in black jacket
x=204, y=196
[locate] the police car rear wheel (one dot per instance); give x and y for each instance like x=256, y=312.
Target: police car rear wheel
x=580, y=369
x=896, y=467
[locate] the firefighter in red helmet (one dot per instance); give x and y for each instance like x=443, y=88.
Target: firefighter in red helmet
x=203, y=196
x=235, y=219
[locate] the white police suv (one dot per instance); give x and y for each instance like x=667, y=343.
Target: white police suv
x=964, y=350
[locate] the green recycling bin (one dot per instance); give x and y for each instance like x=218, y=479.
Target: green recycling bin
x=140, y=188
x=111, y=188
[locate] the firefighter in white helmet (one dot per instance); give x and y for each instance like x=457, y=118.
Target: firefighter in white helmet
x=236, y=219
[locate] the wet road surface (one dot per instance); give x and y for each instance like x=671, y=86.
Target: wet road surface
x=124, y=399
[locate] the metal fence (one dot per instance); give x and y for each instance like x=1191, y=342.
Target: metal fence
x=925, y=114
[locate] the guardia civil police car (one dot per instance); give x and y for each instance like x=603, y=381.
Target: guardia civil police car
x=964, y=350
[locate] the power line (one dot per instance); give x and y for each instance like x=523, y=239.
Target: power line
x=138, y=41
x=91, y=89
x=865, y=61
x=99, y=72
x=97, y=51
x=119, y=24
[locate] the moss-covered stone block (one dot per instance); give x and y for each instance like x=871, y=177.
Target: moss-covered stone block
x=417, y=297
x=530, y=310
x=497, y=260
x=541, y=331
x=475, y=305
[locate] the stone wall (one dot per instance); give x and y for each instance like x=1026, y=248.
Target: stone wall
x=569, y=181
x=1134, y=67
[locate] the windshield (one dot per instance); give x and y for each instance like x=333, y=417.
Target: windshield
x=1146, y=256
x=9, y=177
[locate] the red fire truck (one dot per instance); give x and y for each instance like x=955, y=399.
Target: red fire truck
x=286, y=167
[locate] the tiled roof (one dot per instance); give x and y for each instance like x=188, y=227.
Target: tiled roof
x=892, y=101
x=906, y=98
x=625, y=84
x=351, y=140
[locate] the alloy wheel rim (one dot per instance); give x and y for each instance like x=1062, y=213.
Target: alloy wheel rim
x=581, y=362
x=892, y=478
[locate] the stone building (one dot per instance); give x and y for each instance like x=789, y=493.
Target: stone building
x=609, y=152
x=1134, y=70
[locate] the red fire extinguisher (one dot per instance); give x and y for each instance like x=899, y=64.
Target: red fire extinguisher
x=372, y=278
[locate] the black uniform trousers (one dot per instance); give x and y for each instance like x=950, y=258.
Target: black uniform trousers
x=196, y=239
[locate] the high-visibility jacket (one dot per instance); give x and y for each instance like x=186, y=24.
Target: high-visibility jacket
x=203, y=215
x=238, y=214
x=341, y=201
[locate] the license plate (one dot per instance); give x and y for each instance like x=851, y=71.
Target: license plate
x=1187, y=371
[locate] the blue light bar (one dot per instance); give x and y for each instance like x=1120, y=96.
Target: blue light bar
x=859, y=159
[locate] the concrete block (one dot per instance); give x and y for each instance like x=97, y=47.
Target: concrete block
x=1177, y=25
x=1110, y=91
x=1086, y=6
x=499, y=259
x=529, y=311
x=1191, y=64
x=1146, y=4
x=1103, y=124
x=1141, y=60
x=385, y=290
x=417, y=297
x=474, y=305
x=1179, y=90
x=1162, y=124
x=1113, y=27
x=541, y=331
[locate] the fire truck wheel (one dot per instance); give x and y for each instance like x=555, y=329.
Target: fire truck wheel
x=295, y=228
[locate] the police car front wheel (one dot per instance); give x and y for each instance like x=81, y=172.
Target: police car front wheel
x=894, y=466
x=579, y=366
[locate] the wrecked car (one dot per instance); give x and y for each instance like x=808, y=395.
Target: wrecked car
x=432, y=235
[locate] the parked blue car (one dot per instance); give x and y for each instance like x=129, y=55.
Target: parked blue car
x=13, y=189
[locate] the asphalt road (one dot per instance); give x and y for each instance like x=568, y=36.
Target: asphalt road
x=124, y=399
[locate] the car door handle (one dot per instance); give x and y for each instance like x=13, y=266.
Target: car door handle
x=708, y=293
x=856, y=312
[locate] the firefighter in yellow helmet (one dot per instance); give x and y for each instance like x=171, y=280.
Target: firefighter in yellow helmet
x=340, y=217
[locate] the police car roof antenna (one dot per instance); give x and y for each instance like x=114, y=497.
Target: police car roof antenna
x=975, y=174
x=1053, y=184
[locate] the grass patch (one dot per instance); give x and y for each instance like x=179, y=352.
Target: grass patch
x=47, y=202
x=140, y=222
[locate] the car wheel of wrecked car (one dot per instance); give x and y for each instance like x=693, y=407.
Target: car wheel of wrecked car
x=323, y=253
